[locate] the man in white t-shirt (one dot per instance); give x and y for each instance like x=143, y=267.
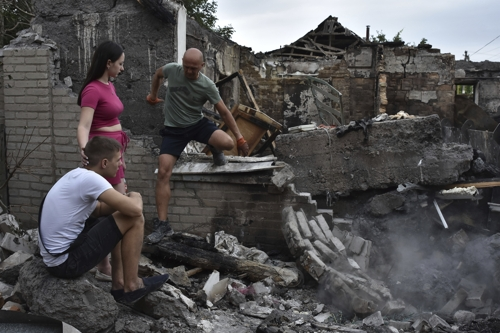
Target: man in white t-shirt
x=83, y=219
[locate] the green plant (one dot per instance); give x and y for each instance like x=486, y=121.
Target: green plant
x=203, y=12
x=423, y=42
x=380, y=38
x=397, y=38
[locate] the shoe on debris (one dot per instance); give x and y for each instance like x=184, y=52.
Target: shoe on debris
x=150, y=284
x=102, y=277
x=161, y=229
x=218, y=156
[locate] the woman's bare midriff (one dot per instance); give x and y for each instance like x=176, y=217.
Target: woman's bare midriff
x=114, y=128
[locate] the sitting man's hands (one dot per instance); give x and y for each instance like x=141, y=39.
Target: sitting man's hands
x=152, y=101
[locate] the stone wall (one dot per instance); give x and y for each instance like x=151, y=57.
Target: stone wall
x=485, y=78
x=393, y=153
x=419, y=81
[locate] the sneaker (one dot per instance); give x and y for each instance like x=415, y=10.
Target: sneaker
x=218, y=156
x=161, y=229
x=150, y=284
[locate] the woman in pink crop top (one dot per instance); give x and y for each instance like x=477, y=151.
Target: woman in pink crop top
x=100, y=107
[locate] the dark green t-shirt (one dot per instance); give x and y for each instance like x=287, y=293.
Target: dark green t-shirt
x=185, y=98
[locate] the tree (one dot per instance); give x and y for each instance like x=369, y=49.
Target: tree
x=203, y=12
x=15, y=15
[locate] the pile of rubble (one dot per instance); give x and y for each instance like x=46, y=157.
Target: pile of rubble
x=335, y=292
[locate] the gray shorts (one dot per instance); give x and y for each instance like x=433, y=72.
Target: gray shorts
x=101, y=236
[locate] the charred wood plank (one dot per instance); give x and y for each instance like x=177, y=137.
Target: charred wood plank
x=214, y=260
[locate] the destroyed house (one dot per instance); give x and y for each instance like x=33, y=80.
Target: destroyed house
x=351, y=204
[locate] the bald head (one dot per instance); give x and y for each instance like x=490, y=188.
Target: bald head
x=192, y=62
x=193, y=55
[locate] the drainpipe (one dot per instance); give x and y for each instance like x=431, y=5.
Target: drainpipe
x=367, y=33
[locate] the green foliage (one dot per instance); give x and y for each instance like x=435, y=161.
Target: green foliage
x=203, y=12
x=15, y=15
x=397, y=38
x=226, y=31
x=380, y=38
x=423, y=41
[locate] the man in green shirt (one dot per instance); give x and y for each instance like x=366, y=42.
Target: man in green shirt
x=188, y=90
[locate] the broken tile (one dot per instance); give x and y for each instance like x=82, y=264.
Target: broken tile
x=322, y=317
x=11, y=306
x=337, y=244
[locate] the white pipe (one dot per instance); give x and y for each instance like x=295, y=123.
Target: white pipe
x=445, y=225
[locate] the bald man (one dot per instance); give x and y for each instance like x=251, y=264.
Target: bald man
x=188, y=90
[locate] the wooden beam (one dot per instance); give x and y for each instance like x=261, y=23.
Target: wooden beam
x=196, y=257
x=247, y=88
x=226, y=79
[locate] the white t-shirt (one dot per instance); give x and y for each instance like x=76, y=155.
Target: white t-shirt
x=67, y=206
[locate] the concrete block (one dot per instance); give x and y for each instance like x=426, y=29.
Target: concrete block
x=327, y=254
x=463, y=317
x=316, y=231
x=476, y=297
x=343, y=224
x=310, y=247
x=337, y=245
x=291, y=232
x=400, y=325
x=457, y=299
x=340, y=234
x=393, y=307
x=9, y=268
x=356, y=245
x=324, y=226
x=15, y=244
x=374, y=320
x=6, y=289
x=303, y=225
x=8, y=223
x=313, y=264
x=436, y=321
x=363, y=259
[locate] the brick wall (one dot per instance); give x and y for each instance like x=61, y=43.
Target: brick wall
x=3, y=170
x=251, y=212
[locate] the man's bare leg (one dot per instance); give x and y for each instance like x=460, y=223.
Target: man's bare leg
x=104, y=266
x=166, y=164
x=221, y=140
x=127, y=253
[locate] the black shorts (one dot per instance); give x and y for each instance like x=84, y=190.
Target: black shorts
x=102, y=235
x=175, y=139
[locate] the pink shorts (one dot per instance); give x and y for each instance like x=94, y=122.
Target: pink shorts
x=123, y=139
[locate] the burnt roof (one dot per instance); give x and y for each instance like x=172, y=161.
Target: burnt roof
x=330, y=39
